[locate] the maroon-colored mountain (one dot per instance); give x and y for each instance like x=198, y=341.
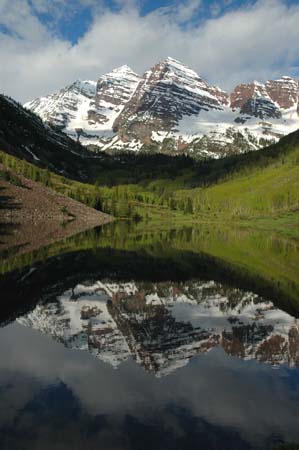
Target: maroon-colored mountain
x=172, y=109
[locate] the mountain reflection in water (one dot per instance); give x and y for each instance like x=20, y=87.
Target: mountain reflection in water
x=163, y=325
x=194, y=320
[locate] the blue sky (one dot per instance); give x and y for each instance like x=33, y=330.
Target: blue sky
x=47, y=44
x=78, y=16
x=74, y=24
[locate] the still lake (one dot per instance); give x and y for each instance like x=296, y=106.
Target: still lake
x=127, y=338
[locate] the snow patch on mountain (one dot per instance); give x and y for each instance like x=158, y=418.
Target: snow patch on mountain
x=216, y=123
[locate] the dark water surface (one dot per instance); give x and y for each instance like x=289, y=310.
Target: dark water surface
x=166, y=339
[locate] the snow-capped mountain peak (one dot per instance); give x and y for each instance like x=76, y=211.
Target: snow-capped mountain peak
x=122, y=69
x=60, y=108
x=121, y=73
x=166, y=93
x=173, y=65
x=171, y=60
x=174, y=110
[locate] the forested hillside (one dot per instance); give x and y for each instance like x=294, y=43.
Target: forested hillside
x=24, y=135
x=260, y=184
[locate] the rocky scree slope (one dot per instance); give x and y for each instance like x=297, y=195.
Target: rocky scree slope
x=32, y=215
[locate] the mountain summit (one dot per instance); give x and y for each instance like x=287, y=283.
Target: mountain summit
x=171, y=109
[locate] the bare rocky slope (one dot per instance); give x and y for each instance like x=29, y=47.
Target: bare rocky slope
x=172, y=109
x=32, y=215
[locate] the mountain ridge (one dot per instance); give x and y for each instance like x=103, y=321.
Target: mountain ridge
x=171, y=109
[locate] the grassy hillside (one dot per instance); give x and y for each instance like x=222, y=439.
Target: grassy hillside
x=259, y=191
x=267, y=187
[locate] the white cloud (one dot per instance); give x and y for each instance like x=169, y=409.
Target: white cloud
x=101, y=390
x=17, y=17
x=257, y=41
x=186, y=11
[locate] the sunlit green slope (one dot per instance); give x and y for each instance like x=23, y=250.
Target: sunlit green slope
x=268, y=186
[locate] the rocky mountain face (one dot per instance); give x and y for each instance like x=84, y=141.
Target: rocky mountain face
x=259, y=107
x=284, y=92
x=266, y=100
x=171, y=109
x=165, y=94
x=163, y=325
x=87, y=110
x=60, y=108
x=244, y=92
x=113, y=91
